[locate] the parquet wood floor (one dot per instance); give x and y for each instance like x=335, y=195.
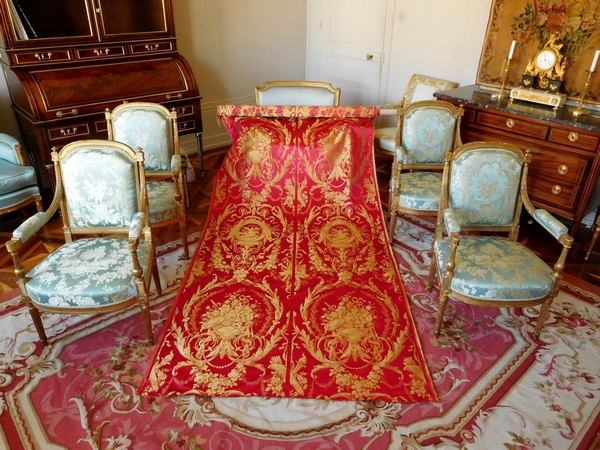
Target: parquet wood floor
x=587, y=275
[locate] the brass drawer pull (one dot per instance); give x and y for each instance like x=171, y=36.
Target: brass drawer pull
x=180, y=111
x=182, y=126
x=61, y=114
x=68, y=131
x=510, y=123
x=169, y=96
x=99, y=52
x=151, y=47
x=556, y=189
x=573, y=136
x=43, y=56
x=563, y=169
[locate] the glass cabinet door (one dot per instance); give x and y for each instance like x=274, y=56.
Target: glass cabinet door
x=121, y=17
x=60, y=20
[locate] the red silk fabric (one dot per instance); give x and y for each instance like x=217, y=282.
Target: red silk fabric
x=293, y=290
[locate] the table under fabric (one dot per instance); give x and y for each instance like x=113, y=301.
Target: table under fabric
x=293, y=290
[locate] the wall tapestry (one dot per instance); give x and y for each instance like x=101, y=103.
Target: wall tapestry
x=531, y=24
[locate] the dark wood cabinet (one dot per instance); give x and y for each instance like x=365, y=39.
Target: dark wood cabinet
x=67, y=61
x=565, y=161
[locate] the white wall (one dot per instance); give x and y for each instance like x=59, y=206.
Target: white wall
x=235, y=45
x=439, y=38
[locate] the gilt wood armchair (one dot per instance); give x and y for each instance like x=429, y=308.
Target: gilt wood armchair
x=297, y=93
x=484, y=191
x=152, y=128
x=101, y=192
x=18, y=180
x=427, y=129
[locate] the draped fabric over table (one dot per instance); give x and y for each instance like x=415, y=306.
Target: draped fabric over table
x=293, y=290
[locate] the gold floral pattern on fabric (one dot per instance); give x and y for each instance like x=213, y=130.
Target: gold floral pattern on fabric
x=293, y=290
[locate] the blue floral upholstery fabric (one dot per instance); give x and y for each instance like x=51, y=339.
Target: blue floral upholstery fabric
x=484, y=188
x=150, y=131
x=421, y=190
x=554, y=226
x=101, y=190
x=427, y=134
x=493, y=268
x=87, y=273
x=161, y=200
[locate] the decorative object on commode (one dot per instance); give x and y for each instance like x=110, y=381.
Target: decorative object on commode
x=586, y=88
x=531, y=24
x=543, y=76
x=505, y=72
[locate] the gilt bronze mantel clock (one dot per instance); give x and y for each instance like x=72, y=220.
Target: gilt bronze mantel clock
x=543, y=76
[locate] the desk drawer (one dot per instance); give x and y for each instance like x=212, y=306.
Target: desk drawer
x=184, y=110
x=101, y=52
x=575, y=139
x=151, y=47
x=186, y=126
x=559, y=195
x=563, y=169
x=79, y=130
x=513, y=125
x=43, y=56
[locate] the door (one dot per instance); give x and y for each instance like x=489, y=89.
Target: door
x=348, y=40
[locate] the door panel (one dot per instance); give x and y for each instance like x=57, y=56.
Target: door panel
x=352, y=38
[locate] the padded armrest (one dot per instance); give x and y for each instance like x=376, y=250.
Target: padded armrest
x=451, y=221
x=30, y=226
x=137, y=225
x=176, y=163
x=550, y=223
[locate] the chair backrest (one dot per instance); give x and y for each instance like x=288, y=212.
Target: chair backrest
x=427, y=130
x=148, y=126
x=297, y=93
x=10, y=150
x=102, y=184
x=483, y=185
x=422, y=87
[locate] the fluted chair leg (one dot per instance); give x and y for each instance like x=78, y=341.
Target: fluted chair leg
x=156, y=277
x=37, y=320
x=544, y=312
x=440, y=316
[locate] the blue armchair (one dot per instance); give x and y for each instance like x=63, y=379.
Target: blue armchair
x=18, y=181
x=101, y=192
x=427, y=129
x=152, y=128
x=484, y=190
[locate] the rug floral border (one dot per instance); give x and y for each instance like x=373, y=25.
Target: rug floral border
x=530, y=23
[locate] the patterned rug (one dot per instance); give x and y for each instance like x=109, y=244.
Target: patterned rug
x=498, y=387
x=293, y=291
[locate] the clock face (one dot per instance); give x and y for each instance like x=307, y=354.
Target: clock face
x=545, y=60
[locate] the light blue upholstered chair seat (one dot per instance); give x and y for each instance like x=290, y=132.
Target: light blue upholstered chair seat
x=161, y=201
x=18, y=181
x=88, y=273
x=152, y=129
x=483, y=193
x=495, y=268
x=107, y=260
x=421, y=191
